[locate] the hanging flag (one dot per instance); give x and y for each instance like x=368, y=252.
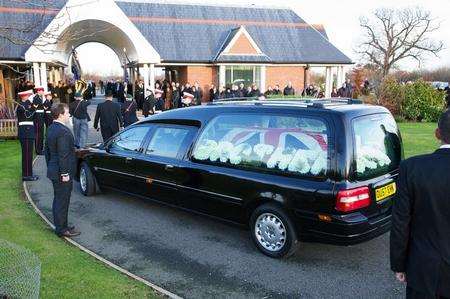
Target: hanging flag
x=76, y=68
x=125, y=70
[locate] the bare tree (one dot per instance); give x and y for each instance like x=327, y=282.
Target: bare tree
x=393, y=35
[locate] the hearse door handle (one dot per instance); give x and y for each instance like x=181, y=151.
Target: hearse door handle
x=168, y=167
x=128, y=159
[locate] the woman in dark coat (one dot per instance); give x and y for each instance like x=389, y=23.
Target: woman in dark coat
x=149, y=105
x=128, y=109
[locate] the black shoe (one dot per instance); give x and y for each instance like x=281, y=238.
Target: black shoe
x=70, y=233
x=30, y=178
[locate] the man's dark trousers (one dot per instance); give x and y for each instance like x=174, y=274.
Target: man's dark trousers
x=107, y=133
x=27, y=156
x=61, y=201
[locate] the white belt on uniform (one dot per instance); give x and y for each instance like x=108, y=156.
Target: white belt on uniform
x=40, y=111
x=26, y=123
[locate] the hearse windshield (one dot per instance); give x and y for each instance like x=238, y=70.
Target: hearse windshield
x=377, y=145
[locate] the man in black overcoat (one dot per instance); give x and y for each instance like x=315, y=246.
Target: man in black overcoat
x=61, y=168
x=148, y=106
x=110, y=117
x=420, y=234
x=139, y=94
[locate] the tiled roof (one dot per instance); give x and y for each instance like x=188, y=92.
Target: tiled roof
x=197, y=33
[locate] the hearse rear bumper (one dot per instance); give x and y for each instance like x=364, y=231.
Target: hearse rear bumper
x=343, y=229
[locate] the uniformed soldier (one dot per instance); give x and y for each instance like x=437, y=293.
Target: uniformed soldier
x=26, y=133
x=129, y=111
x=39, y=119
x=149, y=104
x=48, y=102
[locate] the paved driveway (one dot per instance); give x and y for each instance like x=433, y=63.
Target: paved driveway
x=197, y=257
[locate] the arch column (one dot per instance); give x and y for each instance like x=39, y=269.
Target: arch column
x=263, y=79
x=328, y=81
x=36, y=74
x=222, y=75
x=152, y=77
x=145, y=74
x=61, y=74
x=44, y=75
x=340, y=76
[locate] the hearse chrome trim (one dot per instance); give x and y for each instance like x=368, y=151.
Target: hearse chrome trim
x=172, y=184
x=190, y=188
x=212, y=193
x=115, y=171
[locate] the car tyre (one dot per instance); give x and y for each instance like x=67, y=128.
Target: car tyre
x=88, y=184
x=273, y=232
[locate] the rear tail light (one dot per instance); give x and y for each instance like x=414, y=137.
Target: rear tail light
x=353, y=199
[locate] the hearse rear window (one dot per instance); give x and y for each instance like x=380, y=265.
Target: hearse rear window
x=290, y=144
x=377, y=145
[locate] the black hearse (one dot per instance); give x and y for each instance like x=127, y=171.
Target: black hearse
x=314, y=170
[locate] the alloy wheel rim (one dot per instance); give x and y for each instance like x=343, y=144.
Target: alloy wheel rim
x=270, y=232
x=83, y=181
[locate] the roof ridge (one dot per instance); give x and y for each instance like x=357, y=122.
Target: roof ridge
x=198, y=3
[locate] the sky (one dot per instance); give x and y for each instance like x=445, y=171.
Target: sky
x=340, y=18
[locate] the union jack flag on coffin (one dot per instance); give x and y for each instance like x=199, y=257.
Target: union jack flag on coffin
x=278, y=138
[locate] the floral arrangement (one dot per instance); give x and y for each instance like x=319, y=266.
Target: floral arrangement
x=300, y=161
x=370, y=158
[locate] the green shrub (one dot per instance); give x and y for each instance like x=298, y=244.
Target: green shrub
x=422, y=102
x=417, y=101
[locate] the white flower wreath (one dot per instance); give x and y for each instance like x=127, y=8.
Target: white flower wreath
x=370, y=158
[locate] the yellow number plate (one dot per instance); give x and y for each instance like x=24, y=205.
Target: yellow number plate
x=385, y=191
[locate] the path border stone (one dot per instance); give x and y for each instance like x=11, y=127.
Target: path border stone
x=155, y=287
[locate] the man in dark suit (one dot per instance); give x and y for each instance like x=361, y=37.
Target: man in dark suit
x=110, y=117
x=420, y=234
x=139, y=94
x=61, y=165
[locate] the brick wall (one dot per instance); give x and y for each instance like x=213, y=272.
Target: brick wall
x=204, y=75
x=282, y=74
x=242, y=46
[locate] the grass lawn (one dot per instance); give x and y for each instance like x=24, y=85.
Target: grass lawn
x=66, y=271
x=418, y=138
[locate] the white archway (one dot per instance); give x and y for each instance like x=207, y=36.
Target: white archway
x=80, y=21
x=94, y=31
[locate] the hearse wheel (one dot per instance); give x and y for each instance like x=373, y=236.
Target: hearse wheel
x=87, y=180
x=272, y=231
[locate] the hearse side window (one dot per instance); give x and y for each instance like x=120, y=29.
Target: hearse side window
x=377, y=145
x=129, y=140
x=166, y=141
x=289, y=144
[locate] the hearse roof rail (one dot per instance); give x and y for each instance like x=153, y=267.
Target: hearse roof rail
x=301, y=102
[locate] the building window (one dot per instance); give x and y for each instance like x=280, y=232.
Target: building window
x=237, y=74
